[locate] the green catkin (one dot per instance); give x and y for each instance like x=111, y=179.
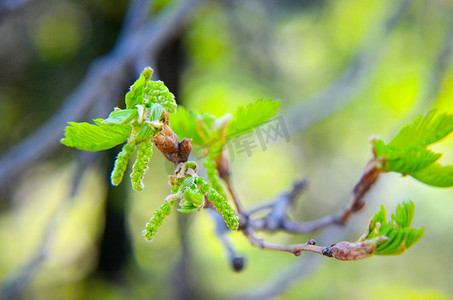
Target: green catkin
x=141, y=164
x=220, y=203
x=159, y=93
x=224, y=208
x=121, y=164
x=156, y=221
x=213, y=175
x=204, y=186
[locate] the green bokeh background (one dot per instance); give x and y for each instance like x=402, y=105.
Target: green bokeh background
x=234, y=52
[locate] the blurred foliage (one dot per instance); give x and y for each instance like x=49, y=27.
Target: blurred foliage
x=236, y=52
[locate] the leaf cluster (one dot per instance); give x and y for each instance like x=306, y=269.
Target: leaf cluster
x=213, y=134
x=397, y=233
x=408, y=153
x=147, y=106
x=207, y=131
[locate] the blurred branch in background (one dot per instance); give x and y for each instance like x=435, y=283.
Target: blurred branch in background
x=236, y=261
x=350, y=82
x=437, y=71
x=284, y=280
x=8, y=7
x=12, y=287
x=103, y=82
x=304, y=267
x=278, y=218
x=136, y=15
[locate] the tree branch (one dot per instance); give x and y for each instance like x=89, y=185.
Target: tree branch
x=294, y=249
x=368, y=179
x=237, y=262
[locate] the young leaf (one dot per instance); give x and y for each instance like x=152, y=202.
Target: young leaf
x=424, y=131
x=136, y=94
x=398, y=235
x=122, y=116
x=435, y=175
x=408, y=154
x=187, y=208
x=89, y=137
x=405, y=161
x=194, y=198
x=247, y=118
x=199, y=127
x=155, y=112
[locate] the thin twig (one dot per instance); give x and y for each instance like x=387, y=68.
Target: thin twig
x=239, y=207
x=295, y=249
x=282, y=280
x=236, y=261
x=368, y=179
x=282, y=204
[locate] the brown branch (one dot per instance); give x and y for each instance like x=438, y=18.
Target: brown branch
x=368, y=179
x=239, y=207
x=295, y=249
x=346, y=251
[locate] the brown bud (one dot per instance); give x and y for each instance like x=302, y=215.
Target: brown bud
x=185, y=147
x=352, y=251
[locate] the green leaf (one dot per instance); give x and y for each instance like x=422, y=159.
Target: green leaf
x=145, y=132
x=247, y=118
x=122, y=116
x=405, y=161
x=424, y=131
x=136, y=94
x=408, y=154
x=404, y=215
x=193, y=197
x=399, y=236
x=198, y=127
x=436, y=175
x=187, y=208
x=378, y=224
x=187, y=183
x=89, y=137
x=156, y=112
x=207, y=131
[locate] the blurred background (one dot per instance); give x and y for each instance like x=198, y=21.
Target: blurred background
x=343, y=70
